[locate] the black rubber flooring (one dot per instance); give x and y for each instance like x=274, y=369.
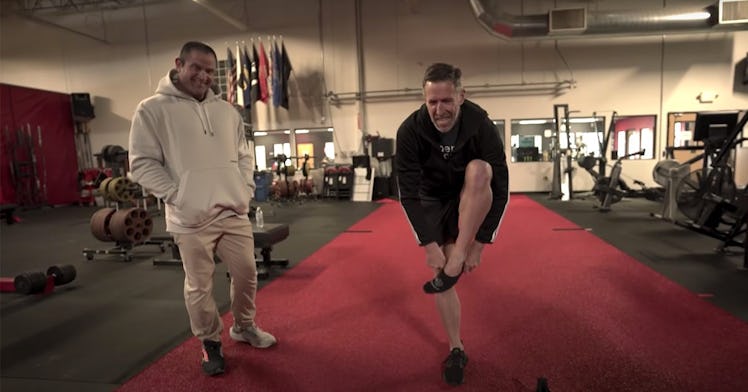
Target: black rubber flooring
x=117, y=317
x=684, y=256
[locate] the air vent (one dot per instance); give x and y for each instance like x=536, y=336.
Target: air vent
x=571, y=20
x=733, y=11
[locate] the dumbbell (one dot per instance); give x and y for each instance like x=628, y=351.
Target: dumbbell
x=37, y=282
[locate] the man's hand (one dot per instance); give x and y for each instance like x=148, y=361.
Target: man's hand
x=473, y=257
x=435, y=258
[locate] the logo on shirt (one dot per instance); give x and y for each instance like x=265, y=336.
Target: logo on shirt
x=447, y=151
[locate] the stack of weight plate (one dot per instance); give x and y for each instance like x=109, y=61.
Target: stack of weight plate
x=118, y=189
x=125, y=226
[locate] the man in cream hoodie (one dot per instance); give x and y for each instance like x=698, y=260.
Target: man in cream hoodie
x=187, y=147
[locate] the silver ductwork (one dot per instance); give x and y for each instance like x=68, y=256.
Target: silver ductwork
x=557, y=23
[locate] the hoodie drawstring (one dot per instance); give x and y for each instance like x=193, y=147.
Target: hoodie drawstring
x=201, y=112
x=207, y=118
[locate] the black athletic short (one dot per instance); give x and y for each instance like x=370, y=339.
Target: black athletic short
x=443, y=214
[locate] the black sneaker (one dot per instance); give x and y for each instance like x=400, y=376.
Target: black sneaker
x=213, y=363
x=440, y=283
x=454, y=366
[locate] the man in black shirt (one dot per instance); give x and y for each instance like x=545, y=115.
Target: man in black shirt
x=454, y=186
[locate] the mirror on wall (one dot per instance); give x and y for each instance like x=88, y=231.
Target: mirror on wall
x=268, y=145
x=315, y=142
x=294, y=144
x=500, y=129
x=532, y=139
x=634, y=137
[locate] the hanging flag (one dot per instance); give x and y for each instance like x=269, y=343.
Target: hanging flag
x=255, y=83
x=285, y=75
x=262, y=74
x=241, y=80
x=238, y=76
x=276, y=75
x=247, y=77
x=230, y=77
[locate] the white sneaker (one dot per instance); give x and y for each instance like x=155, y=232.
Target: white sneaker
x=252, y=335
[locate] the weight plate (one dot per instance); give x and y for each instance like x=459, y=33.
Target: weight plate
x=30, y=282
x=62, y=274
x=100, y=221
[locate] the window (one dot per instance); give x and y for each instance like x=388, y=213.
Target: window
x=270, y=144
x=683, y=133
x=317, y=143
x=222, y=77
x=634, y=137
x=532, y=140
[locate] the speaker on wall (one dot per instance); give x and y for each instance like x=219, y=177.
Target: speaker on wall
x=382, y=148
x=82, y=108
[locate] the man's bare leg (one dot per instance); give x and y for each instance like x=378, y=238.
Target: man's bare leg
x=448, y=304
x=475, y=201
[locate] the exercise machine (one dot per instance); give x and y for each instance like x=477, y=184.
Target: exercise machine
x=708, y=197
x=283, y=187
x=561, y=123
x=306, y=186
x=612, y=189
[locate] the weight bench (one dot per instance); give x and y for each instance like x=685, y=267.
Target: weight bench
x=265, y=238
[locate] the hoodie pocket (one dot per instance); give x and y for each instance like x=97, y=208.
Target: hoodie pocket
x=203, y=194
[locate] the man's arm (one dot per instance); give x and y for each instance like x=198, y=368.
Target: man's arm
x=246, y=159
x=147, y=158
x=409, y=183
x=492, y=151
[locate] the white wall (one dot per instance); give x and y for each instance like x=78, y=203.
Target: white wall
x=653, y=74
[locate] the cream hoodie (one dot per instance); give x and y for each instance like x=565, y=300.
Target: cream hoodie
x=193, y=155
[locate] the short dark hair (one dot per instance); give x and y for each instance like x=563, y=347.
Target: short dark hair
x=195, y=45
x=442, y=72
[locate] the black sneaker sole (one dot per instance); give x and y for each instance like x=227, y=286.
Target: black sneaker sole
x=214, y=372
x=455, y=377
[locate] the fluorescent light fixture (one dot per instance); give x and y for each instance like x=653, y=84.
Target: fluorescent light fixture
x=298, y=131
x=287, y=131
x=329, y=129
x=582, y=120
x=702, y=15
x=534, y=122
x=260, y=133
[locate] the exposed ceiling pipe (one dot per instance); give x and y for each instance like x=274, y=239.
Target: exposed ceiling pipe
x=491, y=17
x=409, y=93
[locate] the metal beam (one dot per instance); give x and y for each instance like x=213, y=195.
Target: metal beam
x=61, y=7
x=219, y=13
x=39, y=20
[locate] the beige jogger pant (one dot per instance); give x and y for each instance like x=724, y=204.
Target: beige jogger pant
x=232, y=240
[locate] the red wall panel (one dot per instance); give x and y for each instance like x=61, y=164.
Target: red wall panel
x=22, y=108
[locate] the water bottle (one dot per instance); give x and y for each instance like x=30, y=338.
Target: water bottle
x=259, y=219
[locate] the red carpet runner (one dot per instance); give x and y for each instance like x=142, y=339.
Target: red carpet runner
x=561, y=304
